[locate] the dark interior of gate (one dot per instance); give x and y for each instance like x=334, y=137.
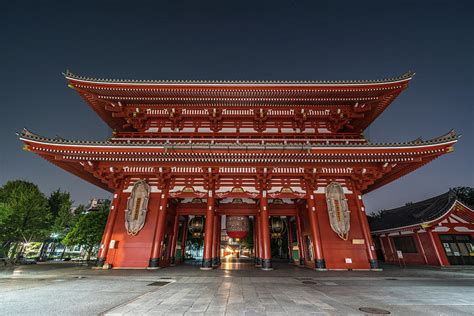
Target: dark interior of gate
x=236, y=232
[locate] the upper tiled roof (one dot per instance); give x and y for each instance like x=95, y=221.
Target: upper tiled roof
x=413, y=213
x=406, y=76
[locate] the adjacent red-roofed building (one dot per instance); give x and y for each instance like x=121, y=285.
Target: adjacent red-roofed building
x=438, y=231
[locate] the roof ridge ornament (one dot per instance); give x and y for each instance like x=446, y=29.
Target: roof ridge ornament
x=448, y=135
x=27, y=133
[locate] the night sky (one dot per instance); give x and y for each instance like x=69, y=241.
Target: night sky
x=239, y=40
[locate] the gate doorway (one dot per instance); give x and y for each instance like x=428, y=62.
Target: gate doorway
x=283, y=245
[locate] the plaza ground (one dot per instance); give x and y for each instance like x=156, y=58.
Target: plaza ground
x=237, y=288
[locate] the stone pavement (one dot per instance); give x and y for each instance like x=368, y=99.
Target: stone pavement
x=55, y=289
x=231, y=296
x=302, y=296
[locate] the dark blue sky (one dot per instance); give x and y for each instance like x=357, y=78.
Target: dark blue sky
x=239, y=40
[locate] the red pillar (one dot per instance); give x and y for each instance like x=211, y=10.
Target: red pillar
x=265, y=233
x=215, y=237
x=364, y=223
x=218, y=241
x=381, y=245
x=255, y=247
x=254, y=238
x=300, y=239
x=392, y=252
x=319, y=261
x=208, y=232
x=183, y=238
x=290, y=238
x=160, y=228
x=418, y=240
x=435, y=247
x=174, y=240
x=109, y=227
x=258, y=244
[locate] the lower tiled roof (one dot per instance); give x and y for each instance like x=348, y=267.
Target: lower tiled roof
x=413, y=213
x=26, y=134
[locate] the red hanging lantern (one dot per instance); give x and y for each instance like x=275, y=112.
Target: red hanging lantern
x=237, y=226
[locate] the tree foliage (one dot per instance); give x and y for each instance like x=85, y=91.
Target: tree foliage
x=57, y=200
x=465, y=195
x=24, y=212
x=60, y=204
x=27, y=215
x=88, y=229
x=5, y=214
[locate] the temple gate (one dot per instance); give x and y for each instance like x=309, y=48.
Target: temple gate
x=279, y=148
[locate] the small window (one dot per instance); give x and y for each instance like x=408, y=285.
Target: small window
x=462, y=238
x=446, y=237
x=405, y=244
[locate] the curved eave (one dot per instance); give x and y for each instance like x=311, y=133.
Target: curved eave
x=398, y=173
x=422, y=224
x=77, y=170
x=349, y=149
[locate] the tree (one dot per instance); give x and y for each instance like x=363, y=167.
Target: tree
x=80, y=209
x=5, y=214
x=465, y=195
x=88, y=229
x=58, y=201
x=63, y=218
x=25, y=214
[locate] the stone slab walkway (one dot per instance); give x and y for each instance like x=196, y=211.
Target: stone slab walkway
x=69, y=289
x=302, y=296
x=228, y=296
